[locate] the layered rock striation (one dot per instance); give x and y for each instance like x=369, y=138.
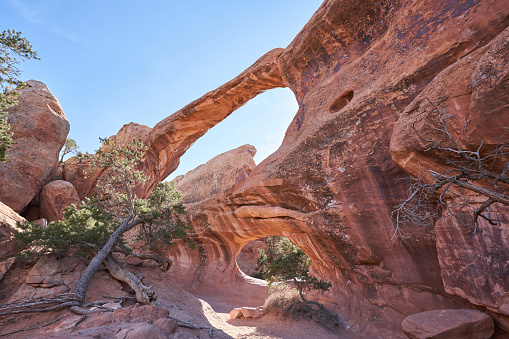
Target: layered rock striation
x=356, y=68
x=362, y=73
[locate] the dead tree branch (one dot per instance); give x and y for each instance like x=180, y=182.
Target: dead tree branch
x=473, y=181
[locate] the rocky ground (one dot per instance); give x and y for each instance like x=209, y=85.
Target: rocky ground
x=375, y=81
x=133, y=320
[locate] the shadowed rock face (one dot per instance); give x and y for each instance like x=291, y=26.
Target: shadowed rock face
x=356, y=69
x=8, y=220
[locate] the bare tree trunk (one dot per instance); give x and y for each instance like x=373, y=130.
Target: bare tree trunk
x=144, y=294
x=88, y=274
x=311, y=302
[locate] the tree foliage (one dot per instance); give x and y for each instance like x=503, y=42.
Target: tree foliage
x=283, y=261
x=97, y=226
x=79, y=233
x=13, y=47
x=70, y=147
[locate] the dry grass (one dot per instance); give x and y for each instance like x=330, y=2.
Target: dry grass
x=288, y=304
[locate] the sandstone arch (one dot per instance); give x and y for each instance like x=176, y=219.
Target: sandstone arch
x=332, y=184
x=171, y=137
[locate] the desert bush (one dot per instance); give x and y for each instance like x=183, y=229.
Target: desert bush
x=287, y=303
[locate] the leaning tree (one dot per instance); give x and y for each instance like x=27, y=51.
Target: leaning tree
x=285, y=262
x=96, y=227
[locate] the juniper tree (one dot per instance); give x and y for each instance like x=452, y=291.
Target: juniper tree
x=13, y=47
x=70, y=147
x=285, y=262
x=96, y=227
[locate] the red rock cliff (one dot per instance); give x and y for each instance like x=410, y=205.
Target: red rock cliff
x=357, y=69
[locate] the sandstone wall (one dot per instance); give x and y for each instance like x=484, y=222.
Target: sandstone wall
x=358, y=69
x=333, y=183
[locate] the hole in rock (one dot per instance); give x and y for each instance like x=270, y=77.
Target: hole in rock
x=261, y=122
x=341, y=101
x=261, y=258
x=285, y=266
x=247, y=259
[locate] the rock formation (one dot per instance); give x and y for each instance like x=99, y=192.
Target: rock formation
x=362, y=72
x=56, y=196
x=170, y=138
x=39, y=128
x=448, y=324
x=333, y=183
x=218, y=174
x=8, y=220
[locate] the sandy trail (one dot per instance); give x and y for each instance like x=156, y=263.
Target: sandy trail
x=268, y=326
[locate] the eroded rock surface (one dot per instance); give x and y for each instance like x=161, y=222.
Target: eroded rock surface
x=361, y=71
x=445, y=324
x=55, y=197
x=39, y=128
x=472, y=97
x=218, y=174
x=8, y=221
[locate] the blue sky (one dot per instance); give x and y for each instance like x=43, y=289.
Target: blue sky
x=114, y=62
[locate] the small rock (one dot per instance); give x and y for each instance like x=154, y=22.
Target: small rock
x=166, y=324
x=252, y=312
x=444, y=324
x=235, y=313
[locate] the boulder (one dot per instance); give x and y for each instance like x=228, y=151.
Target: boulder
x=39, y=128
x=8, y=220
x=252, y=312
x=246, y=312
x=6, y=266
x=54, y=197
x=445, y=324
x=218, y=174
